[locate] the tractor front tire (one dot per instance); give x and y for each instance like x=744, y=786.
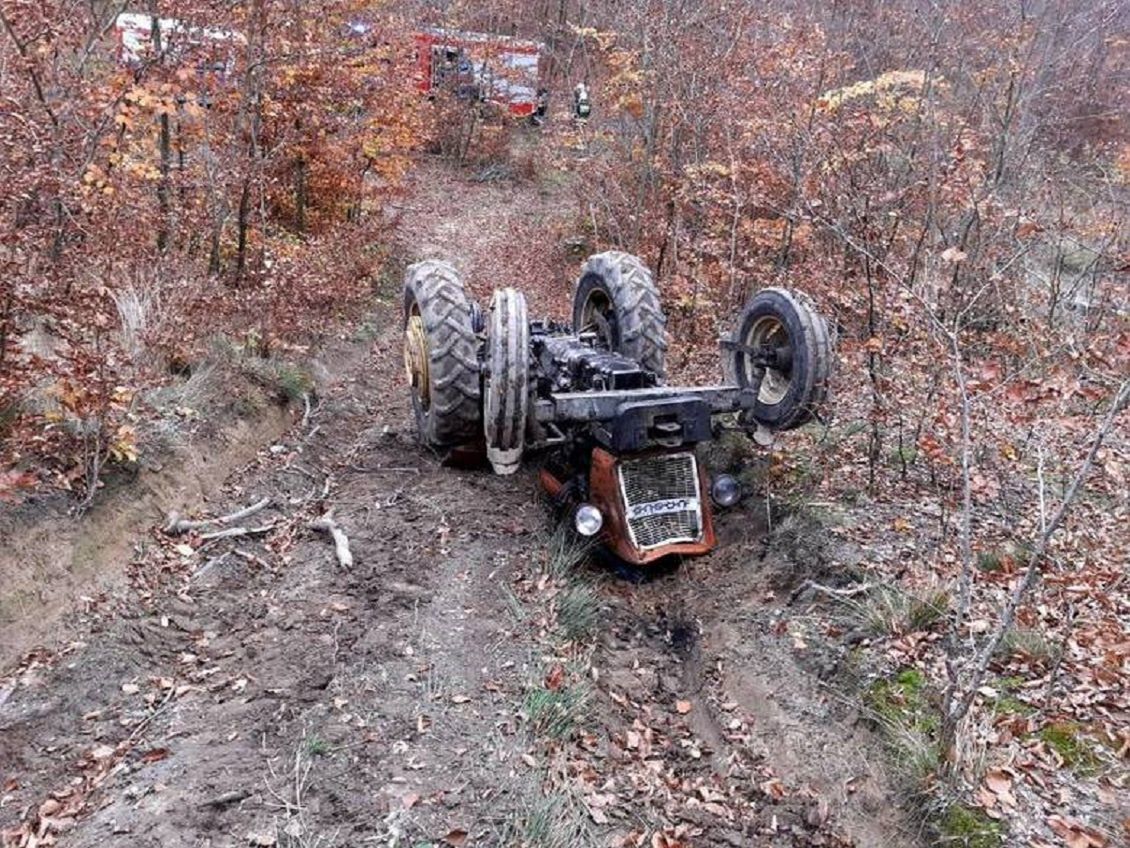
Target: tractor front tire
x=793, y=394
x=441, y=356
x=506, y=393
x=617, y=298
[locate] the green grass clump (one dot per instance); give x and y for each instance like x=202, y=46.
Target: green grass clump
x=890, y=611
x=1011, y=705
x=316, y=747
x=1031, y=644
x=557, y=820
x=1006, y=703
x=566, y=550
x=968, y=827
x=578, y=611
x=1067, y=740
x=902, y=709
x=924, y=613
x=989, y=561
x=903, y=700
x=293, y=382
x=556, y=712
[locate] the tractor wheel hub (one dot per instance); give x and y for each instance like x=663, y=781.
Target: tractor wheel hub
x=416, y=359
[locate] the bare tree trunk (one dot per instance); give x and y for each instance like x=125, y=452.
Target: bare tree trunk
x=243, y=223
x=164, y=141
x=300, y=194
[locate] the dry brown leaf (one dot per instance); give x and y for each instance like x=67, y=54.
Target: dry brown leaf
x=1075, y=834
x=155, y=755
x=456, y=837
x=774, y=788
x=1000, y=783
x=987, y=800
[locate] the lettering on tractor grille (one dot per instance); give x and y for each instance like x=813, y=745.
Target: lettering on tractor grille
x=661, y=499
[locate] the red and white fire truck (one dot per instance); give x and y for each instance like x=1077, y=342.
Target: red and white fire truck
x=210, y=50
x=482, y=66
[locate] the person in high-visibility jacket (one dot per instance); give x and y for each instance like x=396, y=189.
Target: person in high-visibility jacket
x=582, y=105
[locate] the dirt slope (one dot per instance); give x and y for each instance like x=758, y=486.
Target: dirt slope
x=255, y=692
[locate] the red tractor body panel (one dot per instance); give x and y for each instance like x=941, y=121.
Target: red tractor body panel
x=606, y=494
x=490, y=67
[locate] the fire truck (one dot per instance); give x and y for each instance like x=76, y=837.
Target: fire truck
x=480, y=66
x=211, y=51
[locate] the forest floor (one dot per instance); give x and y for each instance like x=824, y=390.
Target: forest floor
x=470, y=680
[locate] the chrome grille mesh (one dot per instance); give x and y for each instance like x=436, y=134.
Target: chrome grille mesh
x=661, y=499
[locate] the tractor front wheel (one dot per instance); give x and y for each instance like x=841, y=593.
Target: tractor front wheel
x=441, y=356
x=780, y=333
x=506, y=393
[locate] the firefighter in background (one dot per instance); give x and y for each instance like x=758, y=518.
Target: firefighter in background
x=542, y=108
x=582, y=105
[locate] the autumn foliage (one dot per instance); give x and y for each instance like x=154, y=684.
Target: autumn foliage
x=223, y=177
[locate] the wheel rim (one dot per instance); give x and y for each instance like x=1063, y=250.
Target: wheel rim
x=775, y=384
x=416, y=358
x=597, y=316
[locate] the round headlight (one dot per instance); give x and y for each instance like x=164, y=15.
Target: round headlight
x=588, y=520
x=725, y=491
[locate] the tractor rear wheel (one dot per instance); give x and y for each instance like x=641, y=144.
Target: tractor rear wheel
x=441, y=356
x=617, y=299
x=506, y=392
x=783, y=326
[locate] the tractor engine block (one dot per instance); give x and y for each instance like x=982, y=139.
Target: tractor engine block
x=569, y=363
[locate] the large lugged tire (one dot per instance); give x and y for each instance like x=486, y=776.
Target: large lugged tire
x=441, y=356
x=506, y=394
x=792, y=393
x=617, y=298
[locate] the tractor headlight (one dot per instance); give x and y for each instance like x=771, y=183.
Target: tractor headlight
x=588, y=520
x=725, y=490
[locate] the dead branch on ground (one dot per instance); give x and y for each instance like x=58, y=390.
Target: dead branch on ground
x=326, y=524
x=175, y=525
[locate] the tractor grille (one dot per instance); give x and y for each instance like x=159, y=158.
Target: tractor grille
x=661, y=499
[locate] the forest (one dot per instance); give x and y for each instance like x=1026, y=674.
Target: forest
x=913, y=629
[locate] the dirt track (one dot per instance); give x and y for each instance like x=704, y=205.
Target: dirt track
x=269, y=696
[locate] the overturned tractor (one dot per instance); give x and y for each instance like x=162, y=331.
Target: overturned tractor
x=591, y=399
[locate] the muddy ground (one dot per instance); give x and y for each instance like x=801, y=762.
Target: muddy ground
x=252, y=691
